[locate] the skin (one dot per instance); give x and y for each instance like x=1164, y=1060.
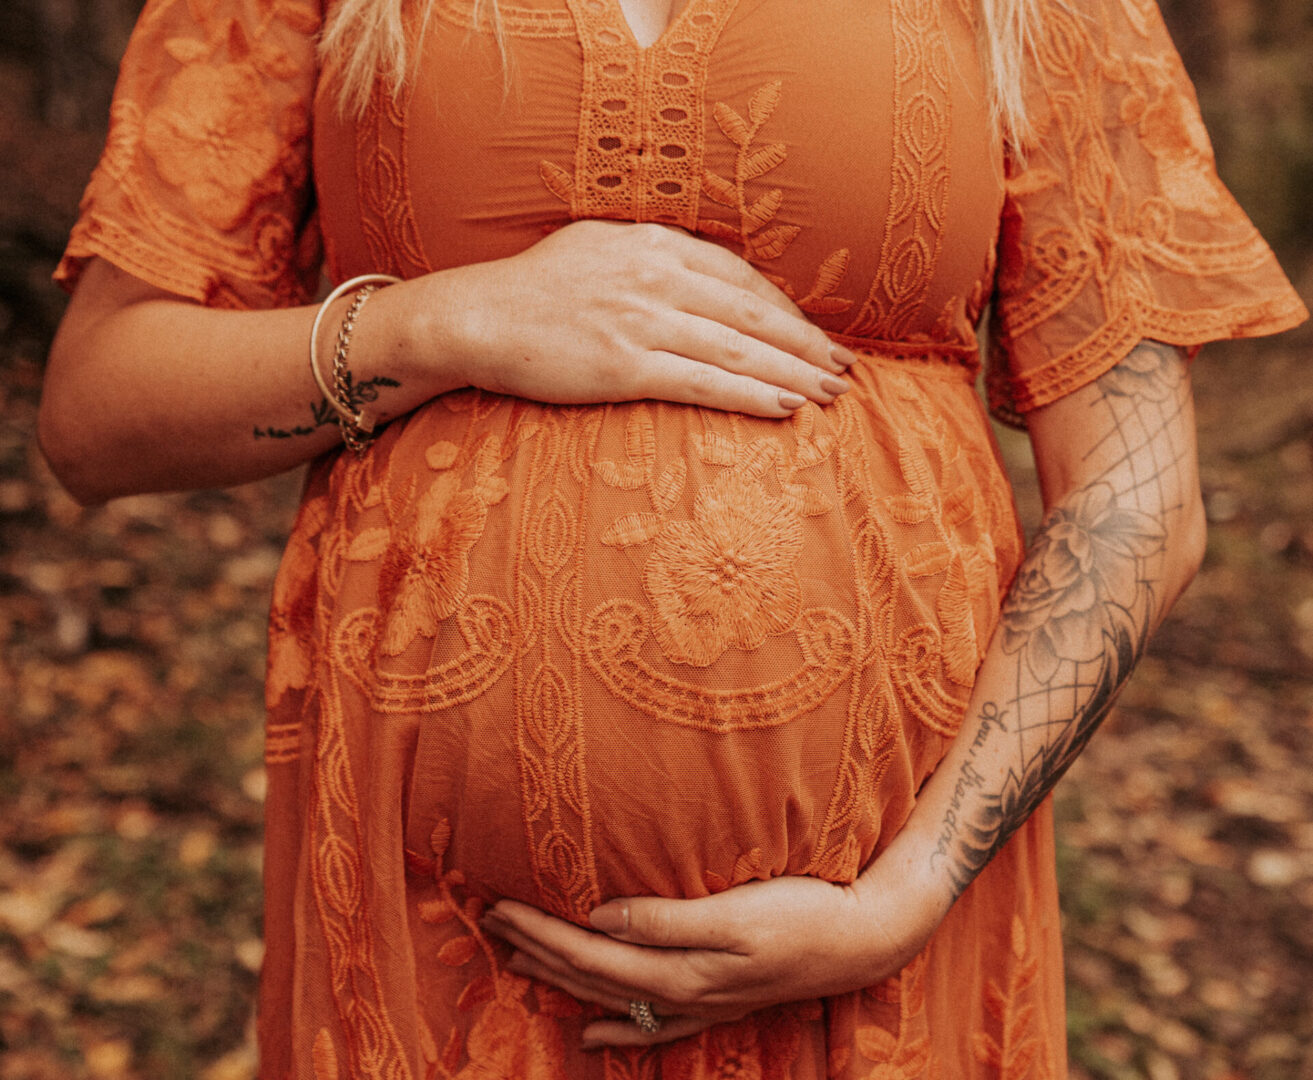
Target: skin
x=1122, y=536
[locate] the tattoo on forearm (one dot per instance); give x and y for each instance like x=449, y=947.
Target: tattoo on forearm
x=1080, y=611
x=968, y=779
x=321, y=412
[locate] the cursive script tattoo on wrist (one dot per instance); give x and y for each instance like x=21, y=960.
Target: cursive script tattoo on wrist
x=969, y=778
x=1079, y=613
x=322, y=413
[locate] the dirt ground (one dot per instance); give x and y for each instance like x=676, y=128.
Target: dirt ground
x=131, y=656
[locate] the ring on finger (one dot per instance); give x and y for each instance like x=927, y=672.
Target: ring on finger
x=640, y=1012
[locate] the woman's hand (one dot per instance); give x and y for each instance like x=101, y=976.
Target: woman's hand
x=606, y=311
x=701, y=962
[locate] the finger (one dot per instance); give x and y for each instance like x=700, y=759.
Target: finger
x=678, y=977
x=627, y=1033
x=722, y=346
x=751, y=315
x=592, y=986
x=670, y=377
x=719, y=262
x=663, y=923
x=523, y=964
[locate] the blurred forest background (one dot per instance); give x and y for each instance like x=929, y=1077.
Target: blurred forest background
x=132, y=646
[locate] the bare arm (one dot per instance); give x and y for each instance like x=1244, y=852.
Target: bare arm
x=1122, y=536
x=147, y=391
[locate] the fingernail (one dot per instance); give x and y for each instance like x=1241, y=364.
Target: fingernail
x=613, y=918
x=841, y=356
x=790, y=400
x=834, y=386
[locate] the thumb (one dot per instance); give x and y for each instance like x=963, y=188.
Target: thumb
x=672, y=924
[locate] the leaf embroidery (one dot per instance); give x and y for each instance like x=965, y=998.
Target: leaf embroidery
x=626, y=476
x=763, y=239
x=669, y=486
x=1013, y=1052
x=369, y=545
x=458, y=951
x=819, y=299
x=764, y=101
x=713, y=448
x=718, y=189
x=559, y=182
x=324, y=1056
x=929, y=558
x=764, y=208
x=631, y=529
x=733, y=125
x=441, y=455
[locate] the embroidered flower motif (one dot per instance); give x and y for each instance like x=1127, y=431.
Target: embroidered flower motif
x=211, y=138
x=1172, y=131
x=426, y=569
x=508, y=1042
x=759, y=1048
x=729, y=576
x=1085, y=559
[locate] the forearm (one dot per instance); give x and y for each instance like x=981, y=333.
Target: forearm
x=1122, y=536
x=148, y=392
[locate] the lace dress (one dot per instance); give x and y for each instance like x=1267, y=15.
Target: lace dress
x=565, y=654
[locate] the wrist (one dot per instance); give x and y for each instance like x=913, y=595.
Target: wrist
x=423, y=336
x=904, y=895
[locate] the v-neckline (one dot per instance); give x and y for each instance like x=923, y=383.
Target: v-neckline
x=661, y=38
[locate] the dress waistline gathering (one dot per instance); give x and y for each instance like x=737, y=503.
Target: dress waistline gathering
x=942, y=360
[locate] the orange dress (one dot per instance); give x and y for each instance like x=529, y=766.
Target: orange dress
x=565, y=654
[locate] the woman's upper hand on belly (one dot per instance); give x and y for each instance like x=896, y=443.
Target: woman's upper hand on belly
x=603, y=311
x=701, y=962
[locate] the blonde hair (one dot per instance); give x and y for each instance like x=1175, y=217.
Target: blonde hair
x=369, y=39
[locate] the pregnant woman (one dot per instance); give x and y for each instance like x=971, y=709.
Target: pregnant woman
x=656, y=686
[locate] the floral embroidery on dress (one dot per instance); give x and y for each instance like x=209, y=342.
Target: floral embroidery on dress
x=1171, y=130
x=292, y=611
x=765, y=1050
x=506, y=1040
x=1099, y=230
x=210, y=137
x=728, y=577
x=228, y=135
x=905, y=1052
x=1017, y=1046
x=426, y=565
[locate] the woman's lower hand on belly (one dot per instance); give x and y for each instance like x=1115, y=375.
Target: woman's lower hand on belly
x=701, y=962
x=604, y=311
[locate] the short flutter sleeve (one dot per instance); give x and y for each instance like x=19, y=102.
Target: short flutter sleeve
x=1115, y=225
x=203, y=188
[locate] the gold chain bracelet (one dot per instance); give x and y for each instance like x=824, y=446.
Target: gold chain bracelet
x=357, y=425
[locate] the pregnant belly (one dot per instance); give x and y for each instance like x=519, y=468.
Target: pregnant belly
x=652, y=648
